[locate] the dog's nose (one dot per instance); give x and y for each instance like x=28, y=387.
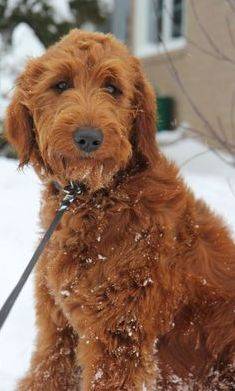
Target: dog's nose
x=88, y=139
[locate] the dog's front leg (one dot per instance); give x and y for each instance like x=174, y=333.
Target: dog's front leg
x=115, y=365
x=53, y=366
x=116, y=343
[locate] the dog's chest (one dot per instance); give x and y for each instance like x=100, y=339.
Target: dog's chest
x=105, y=224
x=102, y=244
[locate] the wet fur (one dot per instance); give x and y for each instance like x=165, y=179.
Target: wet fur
x=137, y=284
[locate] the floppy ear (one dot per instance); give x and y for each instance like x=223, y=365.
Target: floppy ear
x=145, y=117
x=19, y=128
x=19, y=124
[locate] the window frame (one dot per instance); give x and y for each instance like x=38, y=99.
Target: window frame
x=142, y=46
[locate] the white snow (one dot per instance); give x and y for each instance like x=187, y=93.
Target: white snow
x=19, y=199
x=61, y=10
x=25, y=45
x=65, y=293
x=99, y=374
x=102, y=257
x=148, y=281
x=208, y=176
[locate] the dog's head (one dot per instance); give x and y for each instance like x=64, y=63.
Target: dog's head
x=82, y=110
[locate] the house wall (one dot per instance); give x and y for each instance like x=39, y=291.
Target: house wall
x=209, y=81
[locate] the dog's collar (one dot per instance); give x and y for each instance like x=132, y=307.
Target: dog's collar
x=136, y=166
x=70, y=189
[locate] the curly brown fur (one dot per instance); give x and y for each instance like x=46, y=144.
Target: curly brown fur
x=136, y=286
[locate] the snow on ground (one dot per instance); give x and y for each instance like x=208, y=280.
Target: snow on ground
x=207, y=174
x=19, y=199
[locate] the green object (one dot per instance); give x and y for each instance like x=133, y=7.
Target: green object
x=166, y=105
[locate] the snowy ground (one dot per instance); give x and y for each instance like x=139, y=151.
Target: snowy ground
x=209, y=177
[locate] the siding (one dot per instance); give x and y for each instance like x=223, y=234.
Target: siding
x=210, y=82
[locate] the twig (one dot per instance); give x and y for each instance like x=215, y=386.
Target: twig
x=231, y=4
x=203, y=50
x=230, y=32
x=202, y=135
x=232, y=112
x=175, y=74
x=172, y=142
x=230, y=186
x=222, y=129
x=208, y=37
x=194, y=157
x=228, y=162
x=173, y=70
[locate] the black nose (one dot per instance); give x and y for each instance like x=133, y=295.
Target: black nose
x=88, y=139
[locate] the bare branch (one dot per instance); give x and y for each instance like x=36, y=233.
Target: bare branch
x=232, y=111
x=214, y=135
x=223, y=131
x=231, y=187
x=230, y=32
x=172, y=142
x=231, y=3
x=187, y=161
x=208, y=37
x=216, y=53
x=176, y=76
x=221, y=157
x=200, y=135
x=203, y=50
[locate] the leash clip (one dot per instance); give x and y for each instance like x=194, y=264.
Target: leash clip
x=71, y=192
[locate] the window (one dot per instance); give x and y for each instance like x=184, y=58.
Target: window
x=158, y=21
x=155, y=20
x=120, y=18
x=177, y=19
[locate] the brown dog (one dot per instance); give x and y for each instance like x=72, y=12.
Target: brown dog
x=136, y=287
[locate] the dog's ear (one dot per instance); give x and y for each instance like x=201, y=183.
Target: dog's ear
x=145, y=116
x=19, y=125
x=19, y=128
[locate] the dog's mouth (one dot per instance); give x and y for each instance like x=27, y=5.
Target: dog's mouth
x=93, y=173
x=87, y=169
x=95, y=168
x=97, y=174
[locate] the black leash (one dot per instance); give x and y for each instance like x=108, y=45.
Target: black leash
x=71, y=192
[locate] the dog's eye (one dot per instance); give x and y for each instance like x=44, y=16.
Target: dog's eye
x=62, y=86
x=112, y=90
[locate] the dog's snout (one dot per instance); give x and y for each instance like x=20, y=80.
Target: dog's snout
x=88, y=139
